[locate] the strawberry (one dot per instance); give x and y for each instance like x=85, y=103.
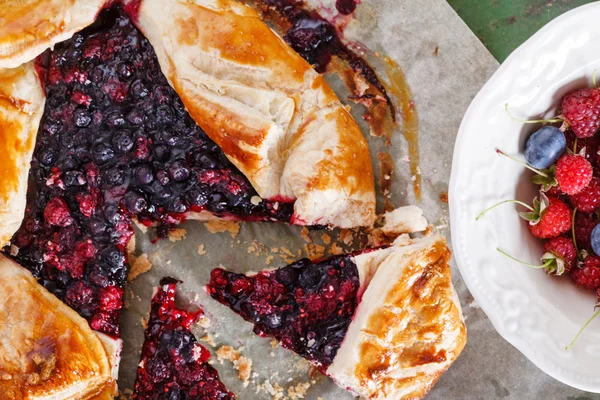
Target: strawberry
x=550, y=217
x=584, y=225
x=588, y=200
x=559, y=255
x=588, y=276
x=573, y=173
x=581, y=109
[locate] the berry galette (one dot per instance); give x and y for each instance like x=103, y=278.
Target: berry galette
x=157, y=111
x=383, y=323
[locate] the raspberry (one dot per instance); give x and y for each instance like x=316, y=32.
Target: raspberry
x=589, y=146
x=57, y=212
x=588, y=276
x=573, y=173
x=555, y=220
x=588, y=200
x=584, y=224
x=111, y=298
x=563, y=250
x=581, y=109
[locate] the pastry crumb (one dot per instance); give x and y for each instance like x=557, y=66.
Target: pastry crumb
x=204, y=321
x=314, y=252
x=326, y=238
x=208, y=340
x=336, y=249
x=242, y=364
x=177, y=234
x=201, y=250
x=305, y=233
x=219, y=225
x=140, y=265
x=274, y=344
x=298, y=391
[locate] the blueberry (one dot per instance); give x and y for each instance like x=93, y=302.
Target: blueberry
x=177, y=207
x=163, y=177
x=164, y=114
x=123, y=141
x=161, y=153
x=178, y=171
x=47, y=156
x=287, y=275
x=102, y=153
x=115, y=176
x=273, y=320
x=138, y=89
x=310, y=278
x=135, y=117
x=74, y=178
x=162, y=94
x=125, y=70
x=595, y=239
x=217, y=202
x=544, y=147
x=206, y=161
x=135, y=202
x=81, y=118
x=143, y=175
x=114, y=119
x=197, y=197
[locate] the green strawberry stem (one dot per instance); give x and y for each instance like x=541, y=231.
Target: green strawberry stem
x=537, y=171
x=545, y=265
x=582, y=329
x=504, y=202
x=594, y=78
x=533, y=121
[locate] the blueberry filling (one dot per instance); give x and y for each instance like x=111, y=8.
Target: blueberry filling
x=307, y=307
x=173, y=364
x=115, y=142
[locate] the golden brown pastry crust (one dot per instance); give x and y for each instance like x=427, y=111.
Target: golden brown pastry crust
x=28, y=27
x=21, y=106
x=408, y=329
x=275, y=117
x=46, y=349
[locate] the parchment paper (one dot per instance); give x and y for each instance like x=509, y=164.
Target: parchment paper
x=443, y=84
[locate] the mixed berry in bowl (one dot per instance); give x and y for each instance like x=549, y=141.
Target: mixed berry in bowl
x=565, y=157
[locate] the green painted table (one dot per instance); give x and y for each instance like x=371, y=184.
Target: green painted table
x=502, y=25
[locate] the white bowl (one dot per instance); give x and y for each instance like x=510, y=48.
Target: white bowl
x=537, y=314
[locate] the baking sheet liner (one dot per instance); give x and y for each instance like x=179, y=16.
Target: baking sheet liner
x=445, y=66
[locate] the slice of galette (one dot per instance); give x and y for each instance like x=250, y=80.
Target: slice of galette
x=173, y=364
x=47, y=351
x=384, y=323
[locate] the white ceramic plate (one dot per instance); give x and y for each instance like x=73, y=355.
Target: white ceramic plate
x=537, y=314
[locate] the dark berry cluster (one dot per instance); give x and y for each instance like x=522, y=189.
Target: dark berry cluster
x=307, y=307
x=174, y=365
x=116, y=142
